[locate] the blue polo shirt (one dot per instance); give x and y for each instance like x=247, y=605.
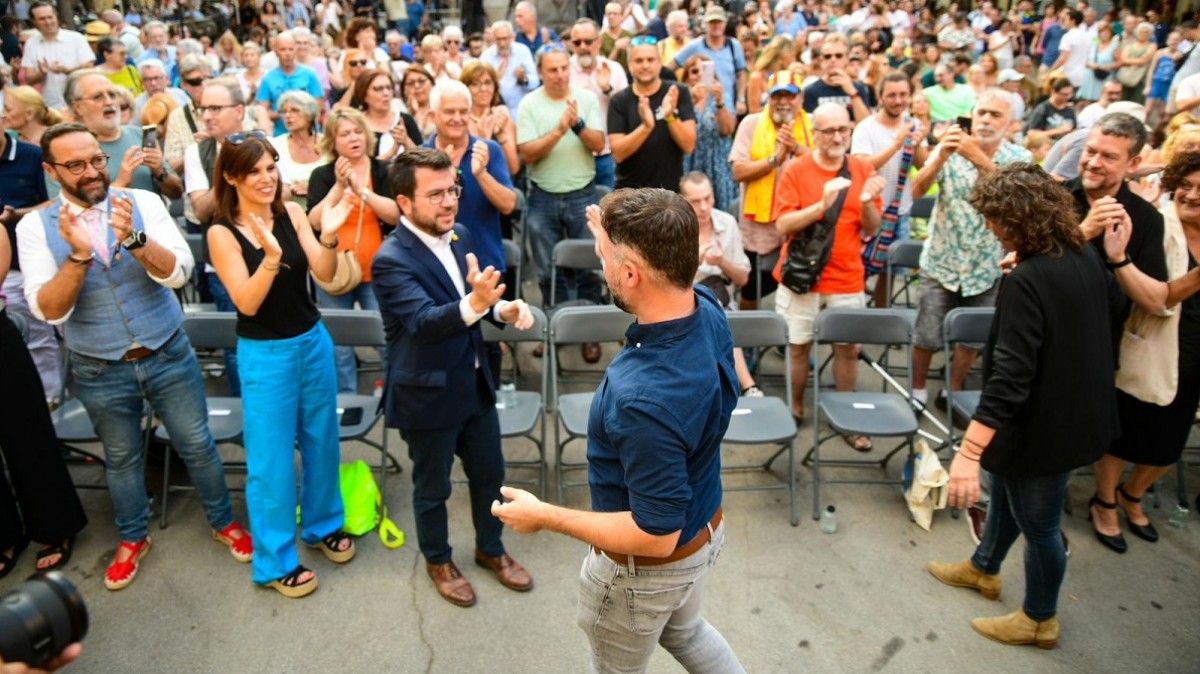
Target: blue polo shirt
x=475, y=212
x=275, y=83
x=21, y=184
x=729, y=60
x=657, y=419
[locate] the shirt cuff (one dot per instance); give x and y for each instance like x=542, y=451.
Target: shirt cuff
x=468, y=314
x=175, y=281
x=497, y=309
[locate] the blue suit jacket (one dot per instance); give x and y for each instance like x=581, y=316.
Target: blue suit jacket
x=431, y=354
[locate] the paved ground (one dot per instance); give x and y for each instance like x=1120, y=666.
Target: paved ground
x=787, y=599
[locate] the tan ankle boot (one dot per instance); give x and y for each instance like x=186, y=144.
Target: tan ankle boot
x=1018, y=629
x=964, y=574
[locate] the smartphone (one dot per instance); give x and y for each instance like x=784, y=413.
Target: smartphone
x=707, y=70
x=964, y=123
x=149, y=136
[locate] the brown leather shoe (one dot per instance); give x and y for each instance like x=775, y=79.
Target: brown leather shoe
x=591, y=352
x=510, y=574
x=451, y=584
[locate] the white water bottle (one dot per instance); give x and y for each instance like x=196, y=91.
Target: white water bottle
x=829, y=520
x=508, y=396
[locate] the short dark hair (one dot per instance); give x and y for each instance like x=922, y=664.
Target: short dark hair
x=475, y=37
x=895, y=76
x=1123, y=125
x=402, y=177
x=1060, y=82
x=962, y=59
x=1076, y=16
x=43, y=3
x=660, y=226
x=57, y=131
x=237, y=161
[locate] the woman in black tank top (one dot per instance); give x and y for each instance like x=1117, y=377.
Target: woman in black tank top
x=263, y=250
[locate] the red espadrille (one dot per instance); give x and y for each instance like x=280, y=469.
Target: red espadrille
x=121, y=573
x=241, y=547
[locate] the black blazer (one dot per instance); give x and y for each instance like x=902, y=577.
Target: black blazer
x=1049, y=387
x=431, y=353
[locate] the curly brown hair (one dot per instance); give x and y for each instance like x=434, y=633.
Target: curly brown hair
x=1180, y=167
x=1029, y=210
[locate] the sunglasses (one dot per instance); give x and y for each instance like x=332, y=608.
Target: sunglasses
x=830, y=57
x=643, y=39
x=125, y=107
x=193, y=82
x=580, y=42
x=241, y=137
x=694, y=71
x=357, y=62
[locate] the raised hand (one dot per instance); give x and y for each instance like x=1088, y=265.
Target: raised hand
x=713, y=253
x=266, y=239
x=785, y=140
x=830, y=192
x=75, y=234
x=122, y=217
x=130, y=162
x=517, y=314
x=873, y=187
x=603, y=75
x=1116, y=238
x=486, y=288
x=1103, y=214
x=341, y=170
x=645, y=112
x=401, y=137
x=333, y=217
x=479, y=158
x=670, y=101
x=152, y=157
x=594, y=220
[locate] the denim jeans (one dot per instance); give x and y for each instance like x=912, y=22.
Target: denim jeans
x=1031, y=506
x=114, y=392
x=552, y=218
x=347, y=363
x=289, y=401
x=626, y=610
x=225, y=303
x=606, y=171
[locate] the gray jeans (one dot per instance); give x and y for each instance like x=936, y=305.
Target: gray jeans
x=625, y=610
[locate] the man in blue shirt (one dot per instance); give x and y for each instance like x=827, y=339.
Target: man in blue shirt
x=528, y=32
x=513, y=63
x=289, y=76
x=725, y=52
x=654, y=441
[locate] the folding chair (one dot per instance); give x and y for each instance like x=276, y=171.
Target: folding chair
x=358, y=414
x=195, y=243
x=528, y=411
x=570, y=326
x=208, y=330
x=923, y=208
x=763, y=262
x=512, y=260
x=764, y=421
x=964, y=325
x=577, y=254
x=860, y=413
x=905, y=253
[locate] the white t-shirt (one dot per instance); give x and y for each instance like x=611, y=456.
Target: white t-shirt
x=67, y=48
x=1088, y=116
x=1076, y=44
x=1189, y=87
x=872, y=137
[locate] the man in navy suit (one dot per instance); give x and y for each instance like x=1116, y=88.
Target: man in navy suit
x=440, y=391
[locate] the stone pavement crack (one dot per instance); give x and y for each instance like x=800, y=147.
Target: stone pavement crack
x=420, y=616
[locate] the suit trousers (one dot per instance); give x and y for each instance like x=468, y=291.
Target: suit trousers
x=37, y=499
x=477, y=443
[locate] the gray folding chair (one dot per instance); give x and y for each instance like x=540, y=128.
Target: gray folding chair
x=964, y=325
x=763, y=262
x=359, y=414
x=904, y=254
x=528, y=411
x=208, y=330
x=195, y=243
x=577, y=254
x=764, y=421
x=570, y=326
x=512, y=260
x=923, y=208
x=860, y=413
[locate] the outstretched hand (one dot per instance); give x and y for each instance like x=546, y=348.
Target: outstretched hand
x=517, y=314
x=521, y=511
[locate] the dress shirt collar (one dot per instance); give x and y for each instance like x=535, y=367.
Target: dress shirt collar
x=640, y=334
x=433, y=242
x=76, y=209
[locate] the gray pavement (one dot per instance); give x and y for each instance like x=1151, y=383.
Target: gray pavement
x=787, y=599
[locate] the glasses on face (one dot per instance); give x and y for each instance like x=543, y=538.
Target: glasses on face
x=416, y=82
x=380, y=88
x=193, y=81
x=581, y=42
x=214, y=109
x=830, y=57
x=355, y=63
x=834, y=131
x=436, y=197
x=449, y=42
x=77, y=167
x=694, y=71
x=643, y=39
x=241, y=137
x=125, y=107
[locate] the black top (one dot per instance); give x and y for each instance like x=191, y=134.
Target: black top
x=819, y=93
x=659, y=161
x=1144, y=248
x=410, y=127
x=1046, y=117
x=1049, y=388
x=322, y=180
x=287, y=310
x=1189, y=327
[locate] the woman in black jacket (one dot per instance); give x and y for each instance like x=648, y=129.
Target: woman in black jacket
x=1048, y=403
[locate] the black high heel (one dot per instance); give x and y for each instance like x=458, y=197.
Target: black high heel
x=1115, y=543
x=1145, y=532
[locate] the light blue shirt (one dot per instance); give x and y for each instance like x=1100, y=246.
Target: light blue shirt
x=276, y=83
x=519, y=57
x=728, y=60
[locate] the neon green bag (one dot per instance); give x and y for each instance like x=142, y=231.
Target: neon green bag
x=363, y=503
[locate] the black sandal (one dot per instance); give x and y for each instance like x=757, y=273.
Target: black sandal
x=331, y=545
x=290, y=585
x=1114, y=543
x=1146, y=531
x=63, y=550
x=9, y=560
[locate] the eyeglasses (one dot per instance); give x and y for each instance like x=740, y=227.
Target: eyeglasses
x=240, y=137
x=643, y=39
x=125, y=107
x=354, y=63
x=694, y=71
x=77, y=167
x=193, y=82
x=380, y=88
x=830, y=57
x=834, y=131
x=214, y=109
x=580, y=42
x=416, y=81
x=438, y=196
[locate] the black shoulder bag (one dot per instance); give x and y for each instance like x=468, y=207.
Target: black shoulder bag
x=808, y=251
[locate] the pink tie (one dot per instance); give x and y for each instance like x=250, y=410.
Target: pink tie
x=94, y=220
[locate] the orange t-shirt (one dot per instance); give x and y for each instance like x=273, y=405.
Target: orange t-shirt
x=368, y=243
x=801, y=185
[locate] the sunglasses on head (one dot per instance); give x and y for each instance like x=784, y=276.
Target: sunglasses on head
x=241, y=137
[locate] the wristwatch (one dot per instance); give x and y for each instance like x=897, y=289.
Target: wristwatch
x=773, y=160
x=134, y=241
x=578, y=127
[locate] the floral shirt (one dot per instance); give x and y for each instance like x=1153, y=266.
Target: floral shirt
x=961, y=253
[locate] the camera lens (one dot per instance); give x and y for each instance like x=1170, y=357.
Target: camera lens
x=41, y=618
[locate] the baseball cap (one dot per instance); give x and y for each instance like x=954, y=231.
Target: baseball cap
x=781, y=81
x=1010, y=75
x=715, y=13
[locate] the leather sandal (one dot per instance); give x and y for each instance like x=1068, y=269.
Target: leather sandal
x=63, y=550
x=9, y=560
x=331, y=546
x=290, y=585
x=1115, y=543
x=1146, y=531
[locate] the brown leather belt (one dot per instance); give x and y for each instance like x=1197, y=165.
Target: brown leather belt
x=142, y=352
x=682, y=551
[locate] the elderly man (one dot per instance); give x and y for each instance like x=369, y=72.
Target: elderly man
x=725, y=52
x=514, y=64
x=651, y=125
x=528, y=32
x=835, y=85
x=960, y=265
x=288, y=76
x=678, y=35
x=756, y=166
x=155, y=81
x=602, y=77
x=184, y=125
x=128, y=35
x=826, y=193
x=157, y=47
x=102, y=263
x=53, y=53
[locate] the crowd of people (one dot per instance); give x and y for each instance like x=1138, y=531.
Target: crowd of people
x=314, y=140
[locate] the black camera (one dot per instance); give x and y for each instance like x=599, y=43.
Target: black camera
x=41, y=618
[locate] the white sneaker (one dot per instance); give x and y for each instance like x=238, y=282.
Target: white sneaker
x=753, y=392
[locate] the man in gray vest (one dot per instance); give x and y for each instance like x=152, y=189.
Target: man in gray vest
x=102, y=264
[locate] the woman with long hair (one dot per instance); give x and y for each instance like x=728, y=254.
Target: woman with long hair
x=990, y=66
x=777, y=55
x=489, y=117
x=354, y=64
x=353, y=173
x=715, y=124
x=25, y=113
x=251, y=72
x=112, y=53
x=263, y=250
x=297, y=148
x=360, y=34
x=229, y=53
x=395, y=131
x=415, y=86
x=270, y=18
x=1048, y=404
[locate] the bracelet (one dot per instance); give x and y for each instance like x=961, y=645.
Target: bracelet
x=969, y=440
x=1118, y=265
x=84, y=262
x=330, y=246
x=966, y=456
x=273, y=270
